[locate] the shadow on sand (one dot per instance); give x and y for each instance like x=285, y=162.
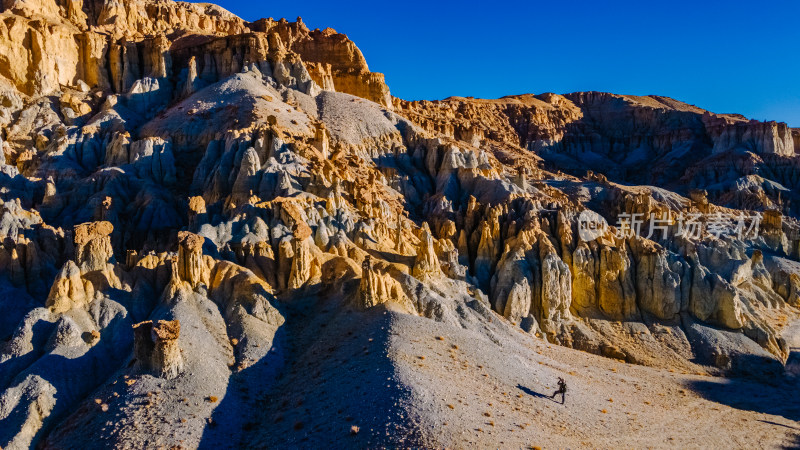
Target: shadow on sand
x=336, y=373
x=533, y=393
x=777, y=395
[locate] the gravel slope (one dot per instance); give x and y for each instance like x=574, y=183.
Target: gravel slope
x=410, y=381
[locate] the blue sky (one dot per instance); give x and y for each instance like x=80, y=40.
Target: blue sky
x=727, y=57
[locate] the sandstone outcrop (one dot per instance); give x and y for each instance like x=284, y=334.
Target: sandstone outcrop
x=192, y=266
x=93, y=249
x=303, y=261
x=426, y=263
x=68, y=290
x=156, y=347
x=91, y=272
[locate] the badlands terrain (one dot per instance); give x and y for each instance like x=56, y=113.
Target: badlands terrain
x=218, y=234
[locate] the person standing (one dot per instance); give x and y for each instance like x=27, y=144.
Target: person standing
x=562, y=389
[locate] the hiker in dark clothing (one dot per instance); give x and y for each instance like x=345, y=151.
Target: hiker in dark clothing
x=562, y=389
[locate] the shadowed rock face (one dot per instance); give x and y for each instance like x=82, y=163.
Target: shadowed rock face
x=215, y=181
x=156, y=349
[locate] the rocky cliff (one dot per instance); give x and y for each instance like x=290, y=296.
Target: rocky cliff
x=181, y=188
x=641, y=140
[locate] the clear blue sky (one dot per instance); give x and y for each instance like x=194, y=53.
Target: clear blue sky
x=737, y=57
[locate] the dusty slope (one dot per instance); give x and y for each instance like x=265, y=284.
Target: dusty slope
x=498, y=390
x=342, y=377
x=405, y=380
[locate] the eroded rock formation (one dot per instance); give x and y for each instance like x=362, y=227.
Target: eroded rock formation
x=171, y=165
x=156, y=349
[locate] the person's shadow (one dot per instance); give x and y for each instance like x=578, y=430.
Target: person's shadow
x=533, y=393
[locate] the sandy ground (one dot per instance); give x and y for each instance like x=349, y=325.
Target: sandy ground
x=410, y=381
x=339, y=378
x=498, y=397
